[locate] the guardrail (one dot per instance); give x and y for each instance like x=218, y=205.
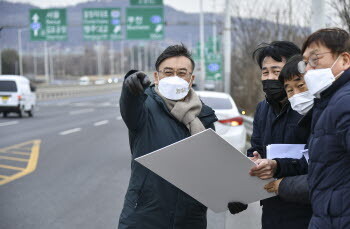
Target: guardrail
x=64, y=91
x=248, y=123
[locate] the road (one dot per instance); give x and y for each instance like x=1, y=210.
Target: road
x=82, y=170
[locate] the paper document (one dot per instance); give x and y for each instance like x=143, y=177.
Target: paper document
x=306, y=155
x=209, y=169
x=285, y=151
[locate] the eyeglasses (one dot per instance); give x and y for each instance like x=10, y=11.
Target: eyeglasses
x=312, y=61
x=182, y=73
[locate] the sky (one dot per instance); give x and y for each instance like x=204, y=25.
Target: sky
x=183, y=5
x=265, y=9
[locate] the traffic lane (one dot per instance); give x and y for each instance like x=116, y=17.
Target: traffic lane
x=80, y=182
x=40, y=128
x=87, y=98
x=214, y=220
x=64, y=118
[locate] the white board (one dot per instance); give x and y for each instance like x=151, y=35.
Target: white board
x=209, y=169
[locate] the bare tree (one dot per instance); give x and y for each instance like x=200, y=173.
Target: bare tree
x=247, y=34
x=343, y=9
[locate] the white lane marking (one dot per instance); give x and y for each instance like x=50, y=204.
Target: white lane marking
x=101, y=123
x=62, y=104
x=70, y=131
x=106, y=104
x=81, y=111
x=8, y=123
x=119, y=118
x=82, y=104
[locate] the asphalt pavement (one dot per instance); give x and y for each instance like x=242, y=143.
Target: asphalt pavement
x=82, y=166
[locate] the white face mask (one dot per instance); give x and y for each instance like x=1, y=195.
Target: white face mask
x=173, y=87
x=302, y=102
x=318, y=80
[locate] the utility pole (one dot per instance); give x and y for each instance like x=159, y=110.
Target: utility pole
x=19, y=33
x=0, y=61
x=99, y=59
x=132, y=57
x=35, y=63
x=122, y=57
x=214, y=29
x=145, y=53
x=111, y=57
x=201, y=35
x=52, y=77
x=318, y=16
x=0, y=54
x=46, y=63
x=139, y=58
x=227, y=45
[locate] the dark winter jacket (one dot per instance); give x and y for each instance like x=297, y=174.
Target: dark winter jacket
x=329, y=150
x=151, y=202
x=270, y=127
x=294, y=189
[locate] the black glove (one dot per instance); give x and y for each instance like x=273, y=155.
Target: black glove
x=236, y=207
x=137, y=83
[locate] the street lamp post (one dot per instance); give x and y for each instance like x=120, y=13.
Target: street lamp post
x=0, y=54
x=317, y=15
x=201, y=34
x=19, y=34
x=227, y=43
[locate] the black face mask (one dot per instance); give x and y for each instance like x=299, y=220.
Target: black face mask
x=274, y=90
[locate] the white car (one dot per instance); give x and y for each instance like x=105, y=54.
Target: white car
x=84, y=80
x=230, y=125
x=16, y=95
x=100, y=81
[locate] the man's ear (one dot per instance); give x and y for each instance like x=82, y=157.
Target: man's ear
x=346, y=61
x=193, y=77
x=155, y=77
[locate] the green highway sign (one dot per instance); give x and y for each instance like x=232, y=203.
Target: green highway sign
x=144, y=23
x=213, y=61
x=213, y=68
x=102, y=24
x=48, y=24
x=146, y=2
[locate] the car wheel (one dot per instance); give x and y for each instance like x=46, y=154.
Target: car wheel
x=31, y=112
x=4, y=114
x=20, y=112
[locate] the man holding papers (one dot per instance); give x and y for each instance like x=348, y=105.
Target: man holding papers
x=294, y=188
x=275, y=122
x=326, y=57
x=159, y=115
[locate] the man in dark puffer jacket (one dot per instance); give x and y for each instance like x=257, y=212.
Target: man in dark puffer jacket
x=327, y=60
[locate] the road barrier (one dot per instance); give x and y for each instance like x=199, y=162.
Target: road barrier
x=248, y=123
x=64, y=91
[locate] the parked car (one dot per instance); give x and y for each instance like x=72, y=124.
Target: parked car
x=16, y=95
x=84, y=80
x=100, y=81
x=230, y=125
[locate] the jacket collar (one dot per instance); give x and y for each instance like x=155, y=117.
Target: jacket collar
x=305, y=121
x=343, y=79
x=278, y=107
x=322, y=102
